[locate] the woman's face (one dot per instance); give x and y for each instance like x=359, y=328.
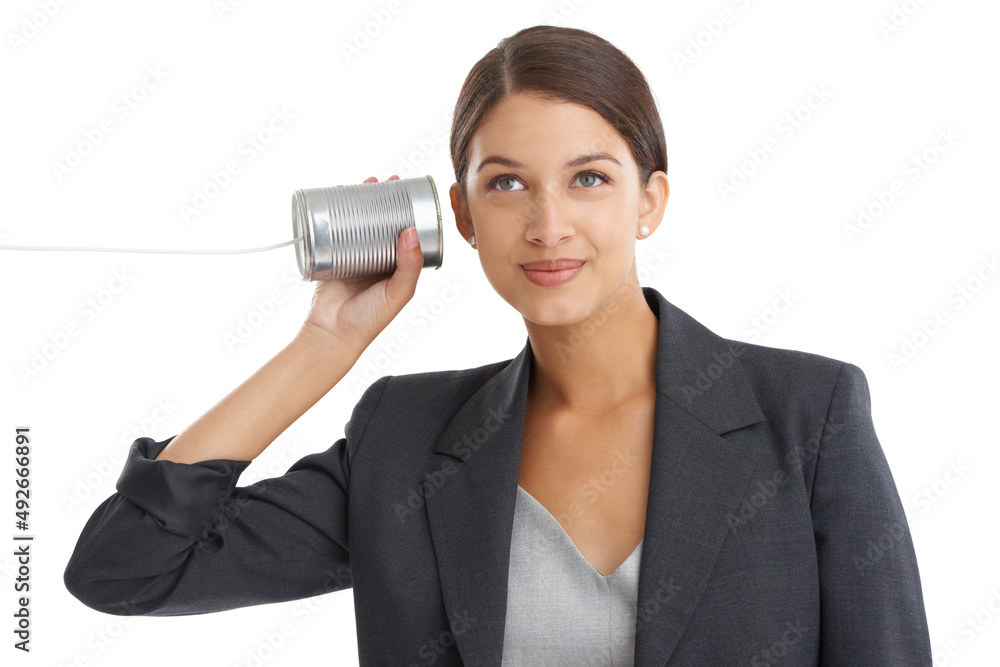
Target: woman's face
x=553, y=180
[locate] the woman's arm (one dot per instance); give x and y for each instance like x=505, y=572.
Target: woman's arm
x=347, y=314
x=153, y=549
x=179, y=537
x=254, y=414
x=872, y=606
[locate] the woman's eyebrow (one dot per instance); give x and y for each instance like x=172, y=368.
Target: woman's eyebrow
x=575, y=162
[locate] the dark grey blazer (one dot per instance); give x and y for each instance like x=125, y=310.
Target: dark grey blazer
x=774, y=531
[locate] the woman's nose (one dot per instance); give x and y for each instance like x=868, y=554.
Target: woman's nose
x=546, y=218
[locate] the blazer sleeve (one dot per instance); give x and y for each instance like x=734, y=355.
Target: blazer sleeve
x=180, y=538
x=872, y=609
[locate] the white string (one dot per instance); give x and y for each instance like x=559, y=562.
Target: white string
x=164, y=252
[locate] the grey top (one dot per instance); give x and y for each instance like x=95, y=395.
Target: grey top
x=560, y=610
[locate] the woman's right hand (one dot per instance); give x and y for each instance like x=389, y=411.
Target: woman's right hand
x=355, y=310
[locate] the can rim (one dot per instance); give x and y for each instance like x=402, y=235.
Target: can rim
x=301, y=226
x=437, y=207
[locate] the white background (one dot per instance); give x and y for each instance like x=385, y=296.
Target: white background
x=161, y=339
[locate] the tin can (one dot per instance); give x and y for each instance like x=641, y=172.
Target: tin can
x=351, y=230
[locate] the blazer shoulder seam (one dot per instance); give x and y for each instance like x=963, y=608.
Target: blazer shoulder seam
x=826, y=422
x=352, y=455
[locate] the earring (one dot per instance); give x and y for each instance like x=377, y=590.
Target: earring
x=472, y=240
x=644, y=230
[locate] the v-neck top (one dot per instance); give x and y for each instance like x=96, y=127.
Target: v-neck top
x=560, y=609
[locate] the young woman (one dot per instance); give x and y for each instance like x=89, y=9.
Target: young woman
x=630, y=489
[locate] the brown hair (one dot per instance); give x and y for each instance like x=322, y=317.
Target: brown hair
x=562, y=64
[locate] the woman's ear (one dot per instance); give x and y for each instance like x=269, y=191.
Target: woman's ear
x=654, y=200
x=460, y=205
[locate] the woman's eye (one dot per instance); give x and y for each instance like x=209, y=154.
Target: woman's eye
x=505, y=183
x=590, y=179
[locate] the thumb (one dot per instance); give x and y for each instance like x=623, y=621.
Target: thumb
x=409, y=261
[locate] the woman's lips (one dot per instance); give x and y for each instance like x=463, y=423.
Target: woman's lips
x=549, y=273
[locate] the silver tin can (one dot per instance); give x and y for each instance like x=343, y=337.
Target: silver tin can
x=351, y=230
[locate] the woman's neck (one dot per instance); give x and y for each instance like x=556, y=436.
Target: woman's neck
x=600, y=363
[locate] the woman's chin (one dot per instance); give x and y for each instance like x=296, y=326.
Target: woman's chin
x=557, y=306
x=551, y=311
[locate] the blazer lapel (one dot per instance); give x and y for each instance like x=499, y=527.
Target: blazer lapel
x=697, y=478
x=471, y=514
